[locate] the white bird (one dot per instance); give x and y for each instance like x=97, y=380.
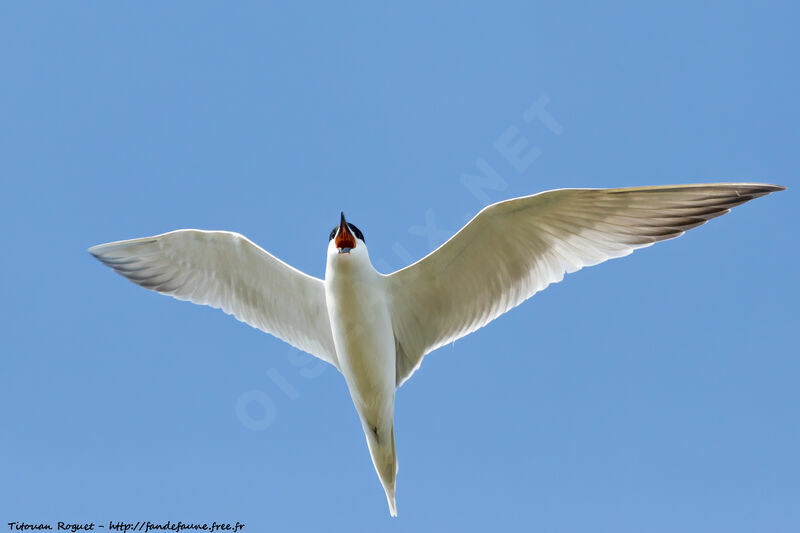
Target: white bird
x=375, y=328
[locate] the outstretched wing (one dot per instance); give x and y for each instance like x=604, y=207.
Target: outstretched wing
x=513, y=249
x=227, y=271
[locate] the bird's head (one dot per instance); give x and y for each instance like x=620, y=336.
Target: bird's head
x=346, y=242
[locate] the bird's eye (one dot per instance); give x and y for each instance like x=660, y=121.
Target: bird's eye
x=356, y=232
x=333, y=233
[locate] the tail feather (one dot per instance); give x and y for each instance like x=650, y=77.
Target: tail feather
x=390, y=496
x=384, y=459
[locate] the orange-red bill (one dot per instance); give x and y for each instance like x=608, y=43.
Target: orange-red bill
x=344, y=239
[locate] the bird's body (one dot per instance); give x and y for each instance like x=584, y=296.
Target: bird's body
x=362, y=334
x=375, y=328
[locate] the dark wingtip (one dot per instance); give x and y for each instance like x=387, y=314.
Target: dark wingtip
x=342, y=221
x=770, y=187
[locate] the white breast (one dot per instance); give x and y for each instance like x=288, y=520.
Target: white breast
x=362, y=333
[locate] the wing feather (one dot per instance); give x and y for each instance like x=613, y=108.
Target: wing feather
x=513, y=249
x=227, y=271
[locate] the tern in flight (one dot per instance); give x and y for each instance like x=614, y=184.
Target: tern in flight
x=376, y=328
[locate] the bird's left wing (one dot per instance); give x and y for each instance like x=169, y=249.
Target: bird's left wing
x=513, y=249
x=227, y=271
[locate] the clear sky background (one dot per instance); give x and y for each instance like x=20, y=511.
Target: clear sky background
x=655, y=393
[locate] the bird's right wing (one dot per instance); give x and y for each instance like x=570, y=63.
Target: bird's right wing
x=227, y=271
x=513, y=249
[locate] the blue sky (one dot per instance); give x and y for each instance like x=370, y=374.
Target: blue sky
x=653, y=393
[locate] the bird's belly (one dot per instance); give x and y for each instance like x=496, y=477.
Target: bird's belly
x=364, y=340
